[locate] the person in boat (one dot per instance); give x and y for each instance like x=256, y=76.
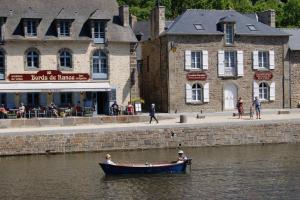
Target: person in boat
x=181, y=157
x=108, y=160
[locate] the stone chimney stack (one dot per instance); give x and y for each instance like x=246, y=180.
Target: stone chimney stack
x=124, y=15
x=267, y=17
x=157, y=21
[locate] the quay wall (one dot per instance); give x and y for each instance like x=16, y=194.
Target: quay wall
x=101, y=139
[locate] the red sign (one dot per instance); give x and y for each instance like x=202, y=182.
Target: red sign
x=49, y=75
x=196, y=76
x=263, y=76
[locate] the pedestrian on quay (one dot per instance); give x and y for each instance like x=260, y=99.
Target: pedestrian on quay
x=257, y=105
x=152, y=113
x=240, y=107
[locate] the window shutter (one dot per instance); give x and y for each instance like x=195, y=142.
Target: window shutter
x=255, y=90
x=206, y=93
x=205, y=60
x=188, y=91
x=272, y=91
x=272, y=59
x=188, y=59
x=221, y=70
x=240, y=63
x=255, y=60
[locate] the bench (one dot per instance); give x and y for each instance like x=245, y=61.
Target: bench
x=283, y=112
x=244, y=114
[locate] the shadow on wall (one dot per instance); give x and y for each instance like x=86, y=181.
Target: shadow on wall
x=126, y=90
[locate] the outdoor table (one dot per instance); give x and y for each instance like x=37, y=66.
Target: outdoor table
x=65, y=110
x=36, y=110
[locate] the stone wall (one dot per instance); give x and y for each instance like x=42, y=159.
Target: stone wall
x=165, y=77
x=177, y=73
x=151, y=137
x=295, y=78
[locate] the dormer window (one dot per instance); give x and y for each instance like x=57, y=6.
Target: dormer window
x=229, y=33
x=98, y=31
x=31, y=28
x=63, y=28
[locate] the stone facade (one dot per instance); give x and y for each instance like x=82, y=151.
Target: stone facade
x=295, y=78
x=118, y=57
x=168, y=90
x=165, y=76
x=147, y=138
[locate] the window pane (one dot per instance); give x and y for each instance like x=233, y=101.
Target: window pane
x=229, y=33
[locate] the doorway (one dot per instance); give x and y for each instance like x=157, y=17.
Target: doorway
x=230, y=96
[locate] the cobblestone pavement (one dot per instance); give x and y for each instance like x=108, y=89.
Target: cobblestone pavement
x=210, y=119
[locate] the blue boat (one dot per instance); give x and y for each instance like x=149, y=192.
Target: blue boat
x=170, y=168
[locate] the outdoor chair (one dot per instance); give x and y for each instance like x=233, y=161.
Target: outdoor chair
x=78, y=111
x=42, y=112
x=88, y=112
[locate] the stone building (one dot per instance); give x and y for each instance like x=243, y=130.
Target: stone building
x=67, y=52
x=206, y=59
x=293, y=56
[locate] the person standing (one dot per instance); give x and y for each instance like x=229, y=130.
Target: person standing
x=240, y=107
x=257, y=105
x=152, y=113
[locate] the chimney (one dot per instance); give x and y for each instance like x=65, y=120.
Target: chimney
x=157, y=21
x=124, y=15
x=267, y=17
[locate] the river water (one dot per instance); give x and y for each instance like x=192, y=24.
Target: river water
x=247, y=172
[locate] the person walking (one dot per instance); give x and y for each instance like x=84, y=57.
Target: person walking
x=257, y=105
x=240, y=107
x=152, y=113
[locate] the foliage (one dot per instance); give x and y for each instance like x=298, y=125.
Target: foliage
x=287, y=11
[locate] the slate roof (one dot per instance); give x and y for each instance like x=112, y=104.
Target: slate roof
x=144, y=28
x=49, y=10
x=294, y=41
x=209, y=19
x=66, y=14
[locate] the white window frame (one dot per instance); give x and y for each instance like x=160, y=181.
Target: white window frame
x=100, y=65
x=30, y=59
x=197, y=93
x=31, y=28
x=229, y=33
x=196, y=60
x=64, y=55
x=263, y=60
x=230, y=63
x=264, y=91
x=99, y=31
x=64, y=29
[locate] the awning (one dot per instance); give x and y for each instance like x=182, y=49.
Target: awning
x=53, y=87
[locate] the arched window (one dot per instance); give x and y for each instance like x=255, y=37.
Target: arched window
x=32, y=58
x=65, y=59
x=100, y=68
x=2, y=65
x=264, y=91
x=197, y=92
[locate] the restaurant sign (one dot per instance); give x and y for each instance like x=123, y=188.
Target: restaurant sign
x=263, y=76
x=196, y=76
x=49, y=75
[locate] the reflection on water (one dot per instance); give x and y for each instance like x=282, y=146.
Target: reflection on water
x=251, y=172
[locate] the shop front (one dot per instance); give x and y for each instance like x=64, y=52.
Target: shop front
x=51, y=86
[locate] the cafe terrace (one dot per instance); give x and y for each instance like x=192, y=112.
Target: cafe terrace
x=70, y=54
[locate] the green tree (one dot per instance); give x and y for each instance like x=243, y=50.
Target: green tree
x=292, y=13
